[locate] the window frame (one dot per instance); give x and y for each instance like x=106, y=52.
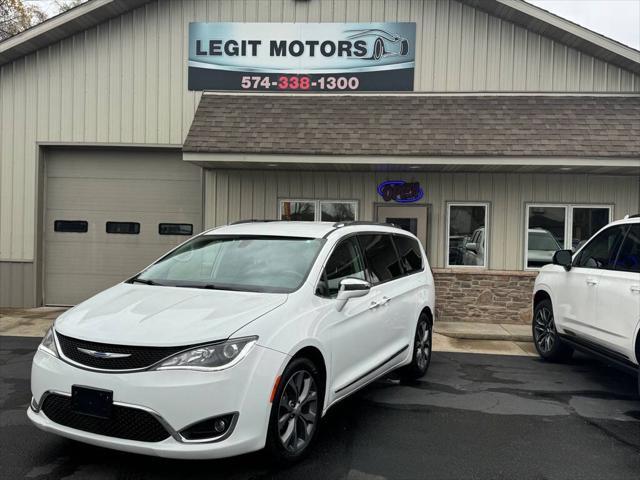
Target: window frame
x=487, y=233
x=568, y=225
x=317, y=214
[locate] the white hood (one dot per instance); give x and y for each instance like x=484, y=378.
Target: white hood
x=164, y=316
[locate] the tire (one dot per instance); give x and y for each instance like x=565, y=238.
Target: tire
x=422, y=350
x=295, y=412
x=548, y=343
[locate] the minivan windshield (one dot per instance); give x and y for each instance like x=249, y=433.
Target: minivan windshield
x=243, y=263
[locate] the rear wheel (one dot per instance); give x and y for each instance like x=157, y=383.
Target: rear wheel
x=295, y=412
x=422, y=344
x=545, y=337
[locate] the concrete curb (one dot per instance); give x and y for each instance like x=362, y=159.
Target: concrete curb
x=484, y=331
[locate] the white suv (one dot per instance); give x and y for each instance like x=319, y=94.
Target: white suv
x=591, y=301
x=240, y=338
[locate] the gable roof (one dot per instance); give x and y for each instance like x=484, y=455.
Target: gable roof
x=545, y=23
x=418, y=125
x=94, y=12
x=64, y=25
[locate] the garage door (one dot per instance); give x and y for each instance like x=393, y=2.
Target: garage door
x=110, y=213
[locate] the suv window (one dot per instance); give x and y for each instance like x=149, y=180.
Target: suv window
x=381, y=257
x=602, y=250
x=409, y=252
x=345, y=262
x=629, y=257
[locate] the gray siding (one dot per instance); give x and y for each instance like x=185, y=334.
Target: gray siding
x=124, y=81
x=232, y=195
x=17, y=284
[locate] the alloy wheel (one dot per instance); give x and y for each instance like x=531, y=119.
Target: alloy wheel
x=545, y=329
x=423, y=345
x=298, y=411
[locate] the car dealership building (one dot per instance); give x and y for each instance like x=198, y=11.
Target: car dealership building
x=494, y=130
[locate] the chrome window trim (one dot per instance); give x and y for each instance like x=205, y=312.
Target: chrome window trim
x=37, y=407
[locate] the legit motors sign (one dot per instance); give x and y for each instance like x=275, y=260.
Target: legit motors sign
x=330, y=57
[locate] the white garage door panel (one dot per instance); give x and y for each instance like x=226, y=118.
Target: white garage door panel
x=122, y=186
x=116, y=195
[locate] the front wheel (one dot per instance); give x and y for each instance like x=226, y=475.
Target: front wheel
x=295, y=412
x=422, y=344
x=545, y=337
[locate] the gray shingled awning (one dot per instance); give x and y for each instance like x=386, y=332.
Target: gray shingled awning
x=418, y=125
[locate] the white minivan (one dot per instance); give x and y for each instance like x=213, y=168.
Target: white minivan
x=590, y=300
x=240, y=338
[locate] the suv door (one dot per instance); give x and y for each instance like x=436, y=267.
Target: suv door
x=393, y=308
x=577, y=292
x=618, y=310
x=351, y=332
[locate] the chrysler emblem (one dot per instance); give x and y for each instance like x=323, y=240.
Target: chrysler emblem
x=97, y=354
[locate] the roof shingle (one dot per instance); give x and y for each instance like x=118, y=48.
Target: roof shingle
x=420, y=125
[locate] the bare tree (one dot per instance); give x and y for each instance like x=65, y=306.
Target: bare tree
x=16, y=16
x=64, y=5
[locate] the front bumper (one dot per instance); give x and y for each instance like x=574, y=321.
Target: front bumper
x=178, y=398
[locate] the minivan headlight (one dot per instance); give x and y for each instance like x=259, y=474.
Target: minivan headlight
x=48, y=343
x=217, y=356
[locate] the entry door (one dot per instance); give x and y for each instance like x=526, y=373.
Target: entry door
x=412, y=218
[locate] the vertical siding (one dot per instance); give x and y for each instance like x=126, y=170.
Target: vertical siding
x=125, y=80
x=233, y=195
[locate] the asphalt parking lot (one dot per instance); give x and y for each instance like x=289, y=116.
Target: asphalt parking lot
x=473, y=416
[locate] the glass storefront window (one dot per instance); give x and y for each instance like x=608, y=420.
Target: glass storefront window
x=556, y=227
x=300, y=211
x=467, y=237
x=337, y=211
x=586, y=222
x=318, y=210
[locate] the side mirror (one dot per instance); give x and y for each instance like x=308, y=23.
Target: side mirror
x=351, y=288
x=472, y=247
x=563, y=258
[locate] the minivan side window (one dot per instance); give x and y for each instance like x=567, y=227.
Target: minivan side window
x=602, y=250
x=345, y=262
x=380, y=254
x=629, y=256
x=409, y=252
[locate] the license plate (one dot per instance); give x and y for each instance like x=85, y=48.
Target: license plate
x=94, y=402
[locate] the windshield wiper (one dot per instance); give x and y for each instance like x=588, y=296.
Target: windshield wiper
x=141, y=280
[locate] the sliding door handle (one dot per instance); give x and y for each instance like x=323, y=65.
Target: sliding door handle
x=635, y=288
x=592, y=281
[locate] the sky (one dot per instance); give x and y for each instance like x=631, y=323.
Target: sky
x=616, y=19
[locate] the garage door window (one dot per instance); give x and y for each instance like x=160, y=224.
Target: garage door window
x=175, y=229
x=128, y=228
x=71, y=226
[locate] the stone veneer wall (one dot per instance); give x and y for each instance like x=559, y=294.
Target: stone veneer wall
x=487, y=296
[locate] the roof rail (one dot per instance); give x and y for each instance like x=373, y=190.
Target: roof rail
x=637, y=215
x=363, y=222
x=252, y=220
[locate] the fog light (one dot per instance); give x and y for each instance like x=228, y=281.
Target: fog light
x=34, y=405
x=219, y=426
x=210, y=429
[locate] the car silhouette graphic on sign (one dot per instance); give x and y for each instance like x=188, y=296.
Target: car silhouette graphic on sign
x=381, y=43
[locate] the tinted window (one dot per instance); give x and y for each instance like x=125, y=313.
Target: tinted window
x=71, y=226
x=345, y=262
x=175, y=229
x=409, y=252
x=131, y=228
x=382, y=261
x=602, y=250
x=629, y=256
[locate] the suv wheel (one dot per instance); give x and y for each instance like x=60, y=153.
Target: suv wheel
x=295, y=412
x=545, y=337
x=422, y=344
